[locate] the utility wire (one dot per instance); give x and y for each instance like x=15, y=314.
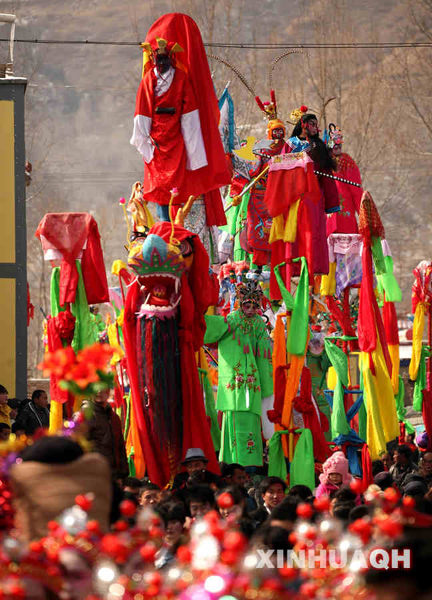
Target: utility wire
x=253, y=46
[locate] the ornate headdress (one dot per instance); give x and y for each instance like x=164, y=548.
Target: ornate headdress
x=160, y=46
x=249, y=291
x=297, y=114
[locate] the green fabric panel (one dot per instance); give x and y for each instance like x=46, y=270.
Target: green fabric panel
x=339, y=360
x=420, y=383
x=210, y=409
x=276, y=458
x=387, y=282
x=302, y=469
x=378, y=256
x=241, y=440
x=299, y=307
x=127, y=419
x=84, y=334
x=131, y=464
x=299, y=326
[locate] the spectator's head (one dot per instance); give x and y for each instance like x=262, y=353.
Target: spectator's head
x=102, y=397
x=426, y=464
x=200, y=500
x=335, y=470
x=3, y=395
x=132, y=485
x=409, y=438
x=272, y=491
x=342, y=510
x=40, y=398
x=149, y=494
x=195, y=461
x=238, y=476
x=5, y=431
x=384, y=480
x=377, y=467
x=402, y=455
x=285, y=514
x=358, y=512
x=275, y=538
x=174, y=517
x=387, y=460
x=300, y=491
x=53, y=449
x=232, y=513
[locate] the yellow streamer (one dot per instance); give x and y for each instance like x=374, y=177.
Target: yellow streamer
x=418, y=328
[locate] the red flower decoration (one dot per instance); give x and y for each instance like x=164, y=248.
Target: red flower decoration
x=303, y=108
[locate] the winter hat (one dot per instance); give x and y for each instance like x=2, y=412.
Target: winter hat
x=383, y=479
x=337, y=463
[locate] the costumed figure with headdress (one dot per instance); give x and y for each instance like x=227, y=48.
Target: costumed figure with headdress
x=255, y=237
x=245, y=386
x=350, y=196
x=163, y=328
x=299, y=199
x=176, y=120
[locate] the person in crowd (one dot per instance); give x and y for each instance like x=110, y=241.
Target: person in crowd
x=173, y=516
x=285, y=514
x=384, y=480
x=403, y=465
x=303, y=492
x=195, y=463
x=425, y=469
x=104, y=431
x=5, y=409
x=199, y=500
x=34, y=415
x=149, y=494
x=335, y=474
x=235, y=474
x=5, y=432
x=409, y=441
x=387, y=460
x=132, y=485
x=272, y=491
x=377, y=467
x=237, y=514
x=52, y=472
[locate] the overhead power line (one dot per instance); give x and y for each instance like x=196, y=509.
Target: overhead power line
x=252, y=46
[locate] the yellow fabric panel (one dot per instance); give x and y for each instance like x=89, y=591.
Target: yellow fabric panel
x=382, y=421
x=7, y=328
x=328, y=282
x=286, y=231
x=331, y=378
x=56, y=416
x=418, y=328
x=113, y=342
x=7, y=186
x=394, y=355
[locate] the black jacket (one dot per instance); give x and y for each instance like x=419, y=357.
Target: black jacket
x=106, y=437
x=30, y=418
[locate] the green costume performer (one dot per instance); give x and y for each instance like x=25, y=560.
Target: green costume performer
x=245, y=376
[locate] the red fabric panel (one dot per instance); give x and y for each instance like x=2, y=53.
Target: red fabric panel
x=366, y=327
x=366, y=467
x=286, y=186
x=390, y=324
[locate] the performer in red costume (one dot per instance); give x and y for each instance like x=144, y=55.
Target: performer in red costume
x=349, y=195
x=176, y=119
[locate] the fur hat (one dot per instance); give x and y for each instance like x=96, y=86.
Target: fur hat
x=337, y=463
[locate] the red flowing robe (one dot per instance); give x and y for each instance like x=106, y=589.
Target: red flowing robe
x=198, y=291
x=205, y=178
x=349, y=196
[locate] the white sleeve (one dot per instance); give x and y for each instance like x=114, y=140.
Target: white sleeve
x=196, y=157
x=141, y=137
